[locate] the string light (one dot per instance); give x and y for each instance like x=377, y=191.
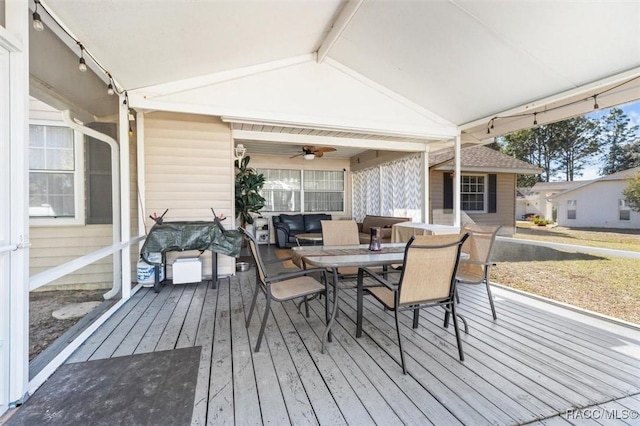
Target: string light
x=82, y=65
x=491, y=122
x=110, y=89
x=37, y=22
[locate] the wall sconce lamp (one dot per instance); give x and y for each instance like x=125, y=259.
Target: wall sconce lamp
x=239, y=152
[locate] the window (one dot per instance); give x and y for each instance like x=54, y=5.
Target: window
x=323, y=191
x=55, y=185
x=572, y=206
x=624, y=211
x=303, y=191
x=282, y=189
x=473, y=193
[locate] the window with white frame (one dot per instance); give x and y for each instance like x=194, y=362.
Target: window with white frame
x=55, y=184
x=572, y=207
x=303, y=191
x=323, y=191
x=624, y=211
x=281, y=190
x=473, y=193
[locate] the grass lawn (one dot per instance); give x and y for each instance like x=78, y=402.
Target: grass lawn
x=607, y=285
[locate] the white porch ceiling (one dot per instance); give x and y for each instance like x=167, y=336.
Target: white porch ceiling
x=462, y=61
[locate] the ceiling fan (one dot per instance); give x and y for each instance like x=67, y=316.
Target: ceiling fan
x=311, y=152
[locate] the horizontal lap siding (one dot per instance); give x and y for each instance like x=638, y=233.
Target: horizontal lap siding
x=189, y=170
x=54, y=246
x=506, y=203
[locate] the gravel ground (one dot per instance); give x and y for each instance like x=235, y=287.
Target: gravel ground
x=43, y=327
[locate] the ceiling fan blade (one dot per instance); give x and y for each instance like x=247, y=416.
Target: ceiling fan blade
x=297, y=155
x=324, y=149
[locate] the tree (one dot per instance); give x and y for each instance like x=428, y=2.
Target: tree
x=615, y=136
x=632, y=193
x=577, y=143
x=248, y=185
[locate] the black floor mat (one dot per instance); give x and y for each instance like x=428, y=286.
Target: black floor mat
x=147, y=389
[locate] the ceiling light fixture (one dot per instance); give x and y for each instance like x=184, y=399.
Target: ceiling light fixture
x=239, y=152
x=82, y=65
x=37, y=22
x=309, y=156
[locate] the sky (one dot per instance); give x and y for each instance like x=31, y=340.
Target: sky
x=632, y=110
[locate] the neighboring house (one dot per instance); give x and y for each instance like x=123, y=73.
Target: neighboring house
x=488, y=186
x=535, y=200
x=598, y=203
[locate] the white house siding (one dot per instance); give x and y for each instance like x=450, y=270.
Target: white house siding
x=597, y=206
x=189, y=170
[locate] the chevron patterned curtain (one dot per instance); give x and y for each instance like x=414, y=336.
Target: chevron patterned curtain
x=366, y=193
x=392, y=189
x=402, y=188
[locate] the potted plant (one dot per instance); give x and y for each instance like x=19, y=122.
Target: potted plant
x=248, y=185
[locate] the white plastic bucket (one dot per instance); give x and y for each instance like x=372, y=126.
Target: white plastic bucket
x=146, y=273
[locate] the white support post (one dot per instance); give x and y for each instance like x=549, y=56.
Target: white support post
x=456, y=182
x=426, y=213
x=142, y=207
x=125, y=203
x=17, y=25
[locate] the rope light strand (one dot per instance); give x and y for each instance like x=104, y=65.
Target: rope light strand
x=491, y=122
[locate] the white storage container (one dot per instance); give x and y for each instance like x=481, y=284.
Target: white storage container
x=145, y=272
x=187, y=270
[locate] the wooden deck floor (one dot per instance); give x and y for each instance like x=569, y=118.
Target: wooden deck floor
x=530, y=366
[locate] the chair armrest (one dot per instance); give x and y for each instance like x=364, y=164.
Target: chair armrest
x=295, y=274
x=362, y=271
x=283, y=226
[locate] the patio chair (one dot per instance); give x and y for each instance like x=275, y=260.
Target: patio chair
x=427, y=279
x=341, y=233
x=281, y=287
x=475, y=269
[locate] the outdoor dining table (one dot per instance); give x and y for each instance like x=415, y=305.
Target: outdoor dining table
x=334, y=257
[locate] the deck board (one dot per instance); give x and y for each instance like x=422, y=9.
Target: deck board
x=529, y=366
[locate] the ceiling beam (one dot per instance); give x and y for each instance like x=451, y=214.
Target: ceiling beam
x=298, y=139
x=339, y=25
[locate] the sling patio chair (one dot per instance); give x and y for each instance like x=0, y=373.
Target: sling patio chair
x=427, y=278
x=341, y=233
x=476, y=268
x=282, y=287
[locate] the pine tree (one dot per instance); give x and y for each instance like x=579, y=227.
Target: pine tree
x=616, y=134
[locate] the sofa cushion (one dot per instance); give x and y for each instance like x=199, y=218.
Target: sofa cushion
x=295, y=222
x=312, y=223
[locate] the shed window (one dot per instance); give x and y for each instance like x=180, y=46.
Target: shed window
x=473, y=193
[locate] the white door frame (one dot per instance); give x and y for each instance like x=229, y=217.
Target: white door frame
x=14, y=293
